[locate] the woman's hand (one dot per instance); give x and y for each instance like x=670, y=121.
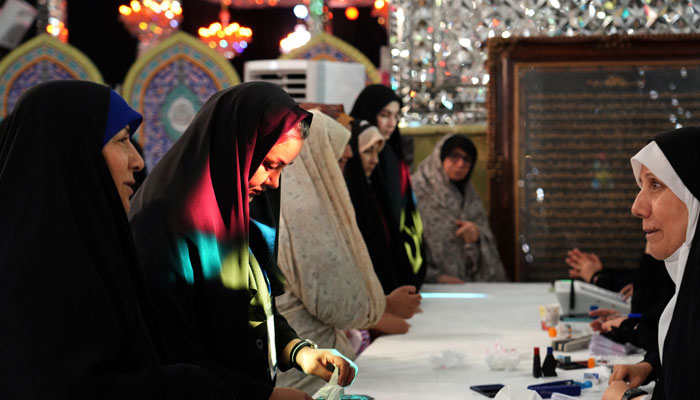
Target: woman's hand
x=322, y=362
x=583, y=265
x=627, y=291
x=449, y=279
x=611, y=323
x=604, y=315
x=467, y=230
x=391, y=325
x=280, y=393
x=403, y=302
x=615, y=390
x=634, y=374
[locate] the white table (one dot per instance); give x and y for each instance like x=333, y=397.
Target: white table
x=468, y=319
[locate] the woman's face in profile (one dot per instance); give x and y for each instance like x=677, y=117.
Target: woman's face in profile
x=122, y=160
x=268, y=173
x=664, y=216
x=370, y=157
x=457, y=164
x=387, y=119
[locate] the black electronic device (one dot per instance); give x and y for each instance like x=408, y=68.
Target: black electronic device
x=573, y=365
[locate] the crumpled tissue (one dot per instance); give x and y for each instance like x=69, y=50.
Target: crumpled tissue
x=448, y=359
x=331, y=391
x=499, y=358
x=514, y=393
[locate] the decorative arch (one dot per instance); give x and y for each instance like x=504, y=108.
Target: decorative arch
x=169, y=84
x=39, y=60
x=328, y=47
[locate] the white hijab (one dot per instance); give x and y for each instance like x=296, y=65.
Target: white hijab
x=655, y=160
x=369, y=136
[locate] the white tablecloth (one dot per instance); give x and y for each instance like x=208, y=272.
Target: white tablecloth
x=397, y=367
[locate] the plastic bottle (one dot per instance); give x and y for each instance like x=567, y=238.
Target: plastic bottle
x=550, y=364
x=536, y=366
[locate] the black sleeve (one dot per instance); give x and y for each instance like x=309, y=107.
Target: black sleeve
x=182, y=338
x=613, y=278
x=637, y=332
x=653, y=288
x=284, y=334
x=652, y=357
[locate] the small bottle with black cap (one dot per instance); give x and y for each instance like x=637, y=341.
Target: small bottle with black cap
x=550, y=364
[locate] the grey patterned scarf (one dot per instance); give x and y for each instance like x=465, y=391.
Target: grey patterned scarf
x=440, y=204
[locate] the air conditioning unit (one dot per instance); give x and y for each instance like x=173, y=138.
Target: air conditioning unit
x=312, y=81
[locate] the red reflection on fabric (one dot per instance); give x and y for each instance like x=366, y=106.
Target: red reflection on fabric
x=405, y=176
x=202, y=210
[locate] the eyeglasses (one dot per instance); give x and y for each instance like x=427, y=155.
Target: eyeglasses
x=454, y=157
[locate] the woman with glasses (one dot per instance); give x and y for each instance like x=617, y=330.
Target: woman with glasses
x=460, y=244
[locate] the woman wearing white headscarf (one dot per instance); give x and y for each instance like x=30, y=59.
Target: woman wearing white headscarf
x=668, y=173
x=330, y=283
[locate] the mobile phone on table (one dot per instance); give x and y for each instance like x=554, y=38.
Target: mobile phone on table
x=487, y=390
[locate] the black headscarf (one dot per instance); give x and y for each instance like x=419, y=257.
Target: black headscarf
x=190, y=221
x=681, y=352
x=370, y=102
x=72, y=302
x=382, y=238
x=392, y=177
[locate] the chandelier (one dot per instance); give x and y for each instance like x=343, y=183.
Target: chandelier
x=150, y=20
x=296, y=39
x=227, y=38
x=53, y=16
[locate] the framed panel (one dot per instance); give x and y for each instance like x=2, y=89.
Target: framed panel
x=565, y=116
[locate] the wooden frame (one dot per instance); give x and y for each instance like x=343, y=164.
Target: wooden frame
x=506, y=56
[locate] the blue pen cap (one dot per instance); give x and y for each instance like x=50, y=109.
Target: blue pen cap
x=593, y=308
x=634, y=315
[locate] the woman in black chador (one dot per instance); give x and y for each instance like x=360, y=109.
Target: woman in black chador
x=668, y=173
x=74, y=315
x=209, y=266
x=391, y=180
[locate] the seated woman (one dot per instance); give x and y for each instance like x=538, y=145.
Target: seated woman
x=667, y=172
x=191, y=224
x=331, y=285
x=385, y=245
x=459, y=242
x=76, y=320
x=391, y=179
